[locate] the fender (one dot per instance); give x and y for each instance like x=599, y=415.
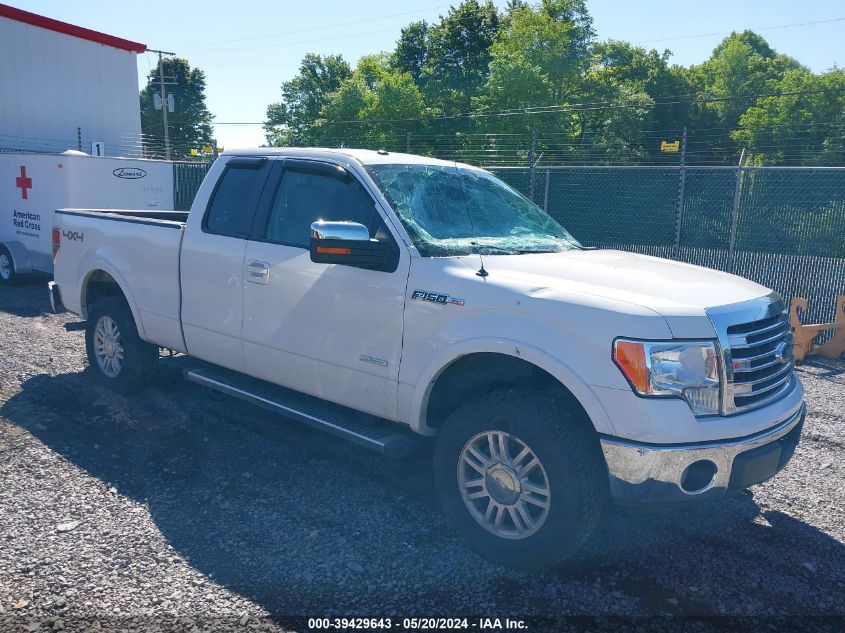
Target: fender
x=21, y=261
x=96, y=261
x=510, y=347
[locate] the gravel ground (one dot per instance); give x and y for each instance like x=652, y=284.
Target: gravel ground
x=176, y=507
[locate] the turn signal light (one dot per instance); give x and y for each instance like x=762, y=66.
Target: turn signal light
x=333, y=250
x=629, y=356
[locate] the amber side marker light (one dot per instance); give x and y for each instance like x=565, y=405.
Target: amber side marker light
x=629, y=357
x=333, y=250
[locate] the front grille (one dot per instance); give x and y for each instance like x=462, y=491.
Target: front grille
x=759, y=358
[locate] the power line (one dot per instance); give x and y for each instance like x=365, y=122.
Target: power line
x=557, y=109
x=318, y=28
x=295, y=43
x=723, y=34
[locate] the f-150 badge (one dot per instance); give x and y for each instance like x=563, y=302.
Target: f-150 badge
x=436, y=297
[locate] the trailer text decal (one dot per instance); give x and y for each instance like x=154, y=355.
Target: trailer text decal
x=130, y=173
x=26, y=220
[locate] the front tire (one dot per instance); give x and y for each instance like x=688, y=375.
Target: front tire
x=8, y=276
x=119, y=358
x=520, y=478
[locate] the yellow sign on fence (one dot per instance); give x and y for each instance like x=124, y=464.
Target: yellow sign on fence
x=666, y=146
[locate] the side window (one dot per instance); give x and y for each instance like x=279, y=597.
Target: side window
x=304, y=197
x=233, y=204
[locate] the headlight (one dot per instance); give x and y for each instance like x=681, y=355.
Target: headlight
x=688, y=370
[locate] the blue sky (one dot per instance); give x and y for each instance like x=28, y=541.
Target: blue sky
x=248, y=48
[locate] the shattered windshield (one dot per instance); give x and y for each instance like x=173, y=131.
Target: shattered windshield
x=457, y=211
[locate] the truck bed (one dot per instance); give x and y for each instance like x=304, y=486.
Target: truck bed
x=140, y=250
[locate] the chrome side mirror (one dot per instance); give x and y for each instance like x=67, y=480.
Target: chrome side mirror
x=347, y=231
x=349, y=244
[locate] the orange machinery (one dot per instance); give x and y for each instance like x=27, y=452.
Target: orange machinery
x=804, y=336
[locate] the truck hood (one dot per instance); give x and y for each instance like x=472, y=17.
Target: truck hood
x=679, y=292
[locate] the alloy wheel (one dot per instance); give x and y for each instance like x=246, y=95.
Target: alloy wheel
x=504, y=485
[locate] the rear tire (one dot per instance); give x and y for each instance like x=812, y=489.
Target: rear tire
x=567, y=477
x=8, y=276
x=119, y=358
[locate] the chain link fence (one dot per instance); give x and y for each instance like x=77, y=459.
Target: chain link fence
x=187, y=178
x=783, y=227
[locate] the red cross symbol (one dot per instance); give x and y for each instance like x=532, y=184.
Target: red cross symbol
x=23, y=182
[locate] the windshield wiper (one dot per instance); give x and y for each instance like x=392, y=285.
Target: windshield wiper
x=511, y=251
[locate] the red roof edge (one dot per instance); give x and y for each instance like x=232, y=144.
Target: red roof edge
x=50, y=24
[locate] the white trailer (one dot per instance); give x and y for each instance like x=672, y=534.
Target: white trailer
x=32, y=186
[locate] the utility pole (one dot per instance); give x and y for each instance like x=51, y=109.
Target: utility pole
x=163, y=100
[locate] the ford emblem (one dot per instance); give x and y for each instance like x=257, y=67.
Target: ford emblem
x=783, y=353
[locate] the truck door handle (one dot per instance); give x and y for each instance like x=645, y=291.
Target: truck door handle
x=258, y=272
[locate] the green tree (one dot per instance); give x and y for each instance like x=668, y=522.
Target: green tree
x=458, y=55
x=189, y=125
x=554, y=37
x=375, y=92
x=289, y=121
x=630, y=75
x=512, y=5
x=373, y=68
x=615, y=134
x=801, y=127
x=616, y=62
x=394, y=97
x=742, y=66
x=536, y=68
x=512, y=84
x=539, y=58
x=411, y=52
x=347, y=103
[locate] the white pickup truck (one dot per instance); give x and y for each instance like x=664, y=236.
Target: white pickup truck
x=379, y=295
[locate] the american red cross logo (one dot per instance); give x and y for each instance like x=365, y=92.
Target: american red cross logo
x=23, y=182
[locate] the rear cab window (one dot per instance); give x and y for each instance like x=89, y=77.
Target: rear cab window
x=233, y=204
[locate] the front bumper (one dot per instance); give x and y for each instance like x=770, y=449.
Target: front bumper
x=654, y=474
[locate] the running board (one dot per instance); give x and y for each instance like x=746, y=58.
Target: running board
x=365, y=430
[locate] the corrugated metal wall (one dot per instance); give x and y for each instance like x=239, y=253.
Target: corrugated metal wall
x=54, y=84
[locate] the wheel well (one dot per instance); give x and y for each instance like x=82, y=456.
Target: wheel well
x=476, y=374
x=100, y=285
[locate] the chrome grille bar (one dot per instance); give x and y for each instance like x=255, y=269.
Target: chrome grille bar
x=748, y=385
x=737, y=342
x=756, y=342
